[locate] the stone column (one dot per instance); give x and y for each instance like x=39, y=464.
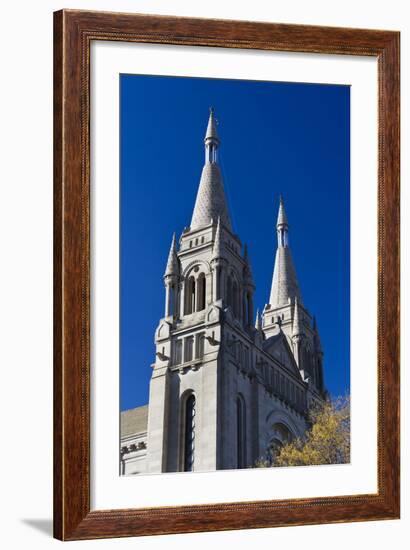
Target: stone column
x=167, y=299
x=182, y=299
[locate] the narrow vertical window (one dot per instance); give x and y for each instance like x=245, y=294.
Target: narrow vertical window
x=189, y=443
x=190, y=296
x=200, y=347
x=201, y=292
x=189, y=347
x=178, y=352
x=241, y=431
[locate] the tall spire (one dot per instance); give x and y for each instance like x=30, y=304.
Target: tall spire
x=210, y=200
x=172, y=263
x=285, y=286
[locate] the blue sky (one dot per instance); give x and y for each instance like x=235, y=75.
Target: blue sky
x=276, y=138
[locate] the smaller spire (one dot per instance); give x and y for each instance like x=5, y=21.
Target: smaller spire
x=211, y=131
x=284, y=282
x=282, y=219
x=217, y=248
x=258, y=321
x=172, y=263
x=296, y=328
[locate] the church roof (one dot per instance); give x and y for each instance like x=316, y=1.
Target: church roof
x=134, y=421
x=278, y=347
x=210, y=200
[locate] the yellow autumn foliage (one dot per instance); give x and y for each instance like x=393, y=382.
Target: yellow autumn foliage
x=326, y=442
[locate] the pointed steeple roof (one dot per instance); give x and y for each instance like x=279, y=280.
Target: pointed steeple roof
x=211, y=131
x=285, y=285
x=282, y=219
x=210, y=200
x=172, y=263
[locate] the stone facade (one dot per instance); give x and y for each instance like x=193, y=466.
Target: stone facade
x=223, y=388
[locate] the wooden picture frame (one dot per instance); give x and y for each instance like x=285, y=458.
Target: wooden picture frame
x=73, y=33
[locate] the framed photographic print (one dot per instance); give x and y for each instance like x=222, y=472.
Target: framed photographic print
x=226, y=284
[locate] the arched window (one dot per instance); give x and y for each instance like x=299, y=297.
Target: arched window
x=280, y=436
x=241, y=431
x=189, y=443
x=201, y=286
x=190, y=296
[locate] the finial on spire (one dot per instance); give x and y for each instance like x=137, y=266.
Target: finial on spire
x=282, y=219
x=172, y=263
x=210, y=200
x=211, y=131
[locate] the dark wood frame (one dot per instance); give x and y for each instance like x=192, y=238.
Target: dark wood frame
x=73, y=33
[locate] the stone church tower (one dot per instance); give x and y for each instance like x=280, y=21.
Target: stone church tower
x=223, y=390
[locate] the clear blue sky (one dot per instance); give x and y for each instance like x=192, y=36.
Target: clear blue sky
x=275, y=138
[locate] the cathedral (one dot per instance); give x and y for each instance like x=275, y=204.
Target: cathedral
x=225, y=390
